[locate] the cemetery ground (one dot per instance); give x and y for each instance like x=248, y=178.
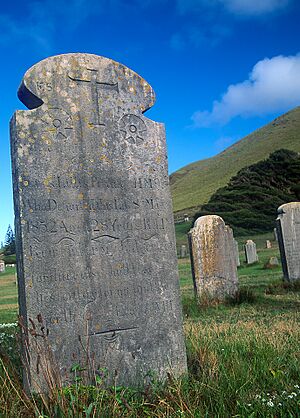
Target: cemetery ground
x=243, y=356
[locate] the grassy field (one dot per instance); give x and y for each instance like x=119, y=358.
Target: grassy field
x=192, y=185
x=243, y=357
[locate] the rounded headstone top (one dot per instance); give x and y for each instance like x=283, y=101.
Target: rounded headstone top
x=288, y=206
x=212, y=220
x=55, y=77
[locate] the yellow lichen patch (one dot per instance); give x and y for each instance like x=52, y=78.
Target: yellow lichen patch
x=25, y=183
x=46, y=139
x=80, y=196
x=103, y=157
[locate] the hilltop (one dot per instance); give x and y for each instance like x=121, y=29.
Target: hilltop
x=194, y=184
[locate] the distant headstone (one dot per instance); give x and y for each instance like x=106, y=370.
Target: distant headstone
x=237, y=254
x=268, y=244
x=275, y=235
x=2, y=266
x=97, y=265
x=250, y=252
x=213, y=256
x=271, y=263
x=183, y=251
x=288, y=231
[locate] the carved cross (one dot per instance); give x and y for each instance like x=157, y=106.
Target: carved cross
x=95, y=85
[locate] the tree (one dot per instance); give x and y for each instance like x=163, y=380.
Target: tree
x=9, y=242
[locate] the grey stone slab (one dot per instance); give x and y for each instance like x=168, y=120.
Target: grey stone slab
x=288, y=232
x=96, y=249
x=275, y=234
x=250, y=252
x=237, y=254
x=183, y=251
x=2, y=266
x=213, y=257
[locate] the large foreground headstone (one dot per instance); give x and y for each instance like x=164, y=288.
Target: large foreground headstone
x=250, y=252
x=97, y=263
x=213, y=256
x=288, y=232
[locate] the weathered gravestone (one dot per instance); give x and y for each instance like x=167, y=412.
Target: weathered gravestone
x=183, y=251
x=2, y=266
x=268, y=244
x=288, y=231
x=97, y=263
x=271, y=263
x=250, y=252
x=237, y=254
x=275, y=234
x=213, y=257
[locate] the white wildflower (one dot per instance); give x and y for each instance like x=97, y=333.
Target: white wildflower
x=270, y=403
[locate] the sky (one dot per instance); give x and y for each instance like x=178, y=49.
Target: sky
x=220, y=68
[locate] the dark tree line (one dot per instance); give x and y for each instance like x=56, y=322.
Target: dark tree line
x=250, y=200
x=9, y=242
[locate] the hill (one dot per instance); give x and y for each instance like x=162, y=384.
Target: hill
x=194, y=184
x=250, y=200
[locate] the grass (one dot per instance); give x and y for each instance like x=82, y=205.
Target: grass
x=193, y=185
x=8, y=296
x=243, y=359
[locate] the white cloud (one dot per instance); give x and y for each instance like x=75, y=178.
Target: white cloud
x=237, y=7
x=273, y=86
x=254, y=7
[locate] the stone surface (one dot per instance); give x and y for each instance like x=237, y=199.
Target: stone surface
x=97, y=261
x=271, y=263
x=2, y=266
x=288, y=232
x=250, y=252
x=268, y=244
x=275, y=234
x=237, y=254
x=213, y=257
x=183, y=251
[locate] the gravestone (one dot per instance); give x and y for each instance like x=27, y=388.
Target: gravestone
x=250, y=252
x=237, y=254
x=183, y=251
x=275, y=234
x=288, y=231
x=2, y=266
x=213, y=258
x=97, y=265
x=268, y=244
x=271, y=263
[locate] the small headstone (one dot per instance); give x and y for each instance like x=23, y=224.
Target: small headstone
x=271, y=263
x=250, y=252
x=183, y=251
x=213, y=257
x=275, y=234
x=268, y=244
x=237, y=254
x=288, y=231
x=2, y=266
x=97, y=265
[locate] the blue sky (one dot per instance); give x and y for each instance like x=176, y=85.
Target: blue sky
x=220, y=68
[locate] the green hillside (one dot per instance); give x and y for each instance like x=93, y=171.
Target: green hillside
x=193, y=185
x=250, y=200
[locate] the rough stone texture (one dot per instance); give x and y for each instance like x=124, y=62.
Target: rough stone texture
x=2, y=266
x=288, y=231
x=237, y=254
x=271, y=263
x=268, y=244
x=250, y=252
x=213, y=256
x=183, y=251
x=96, y=249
